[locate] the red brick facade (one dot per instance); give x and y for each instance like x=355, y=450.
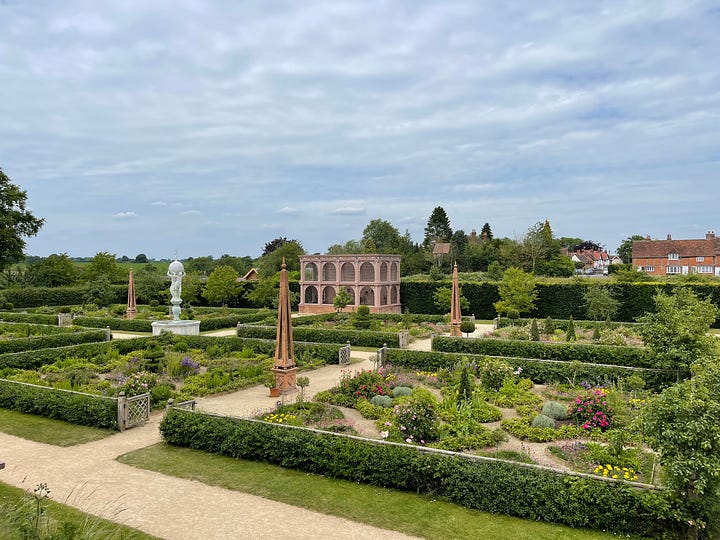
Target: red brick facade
x=678, y=257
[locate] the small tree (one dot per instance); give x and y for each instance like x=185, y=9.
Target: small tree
x=534, y=331
x=570, y=335
x=600, y=303
x=467, y=327
x=494, y=271
x=549, y=327
x=596, y=332
x=222, y=285
x=341, y=300
x=443, y=298
x=517, y=293
x=465, y=387
x=361, y=318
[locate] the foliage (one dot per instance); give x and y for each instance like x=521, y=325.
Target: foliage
x=555, y=410
x=49, y=341
x=592, y=411
x=676, y=332
x=103, y=265
x=517, y=293
x=437, y=228
x=266, y=292
x=381, y=401
x=269, y=264
x=492, y=373
x=600, y=304
x=361, y=318
x=442, y=298
x=53, y=271
x=16, y=222
x=570, y=332
x=98, y=291
x=415, y=418
x=682, y=425
x=467, y=327
x=359, y=338
x=488, y=485
x=222, y=285
x=542, y=421
x=341, y=300
x=400, y=391
x=465, y=386
x=363, y=385
x=534, y=331
x=624, y=251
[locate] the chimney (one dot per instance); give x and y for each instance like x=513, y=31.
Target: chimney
x=669, y=237
x=710, y=235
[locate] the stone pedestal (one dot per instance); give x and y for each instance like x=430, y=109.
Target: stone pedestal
x=181, y=328
x=65, y=319
x=285, y=380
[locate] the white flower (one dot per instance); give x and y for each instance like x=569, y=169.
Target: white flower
x=384, y=434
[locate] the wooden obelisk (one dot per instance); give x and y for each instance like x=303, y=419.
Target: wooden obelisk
x=131, y=305
x=284, y=365
x=455, y=315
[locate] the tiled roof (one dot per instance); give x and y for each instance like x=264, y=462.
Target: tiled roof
x=644, y=249
x=441, y=248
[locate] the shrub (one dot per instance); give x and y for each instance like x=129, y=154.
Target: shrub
x=415, y=418
x=542, y=421
x=399, y=391
x=570, y=333
x=365, y=408
x=381, y=401
x=534, y=331
x=359, y=338
x=592, y=411
x=362, y=385
x=482, y=484
x=555, y=410
x=467, y=327
x=492, y=373
x=50, y=341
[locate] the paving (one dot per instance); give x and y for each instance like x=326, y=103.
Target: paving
x=88, y=477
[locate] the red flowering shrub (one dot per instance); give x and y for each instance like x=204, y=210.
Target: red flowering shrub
x=592, y=411
x=364, y=384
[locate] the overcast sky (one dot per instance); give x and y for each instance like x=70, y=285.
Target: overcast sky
x=208, y=127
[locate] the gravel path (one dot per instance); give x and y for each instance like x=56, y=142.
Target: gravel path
x=88, y=477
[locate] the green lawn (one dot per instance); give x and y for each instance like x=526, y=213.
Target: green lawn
x=46, y=430
x=17, y=520
x=409, y=513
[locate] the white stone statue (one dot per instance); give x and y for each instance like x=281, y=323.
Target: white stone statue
x=176, y=271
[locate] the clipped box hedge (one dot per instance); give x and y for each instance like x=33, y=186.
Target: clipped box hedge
x=358, y=338
x=57, y=296
x=128, y=325
x=540, y=371
x=307, y=320
x=567, y=352
x=559, y=324
x=33, y=359
x=30, y=318
x=485, y=484
x=54, y=340
x=73, y=407
x=36, y=329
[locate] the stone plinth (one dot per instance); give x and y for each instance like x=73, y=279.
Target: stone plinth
x=285, y=380
x=65, y=319
x=181, y=328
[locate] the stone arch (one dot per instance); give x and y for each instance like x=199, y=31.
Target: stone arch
x=393, y=295
x=383, y=295
x=311, y=294
x=329, y=272
x=351, y=292
x=367, y=272
x=347, y=272
x=383, y=272
x=311, y=272
x=394, y=272
x=367, y=296
x=328, y=295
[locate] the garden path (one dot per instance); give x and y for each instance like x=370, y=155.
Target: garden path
x=88, y=477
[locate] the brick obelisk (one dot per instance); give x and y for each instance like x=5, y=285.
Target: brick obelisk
x=284, y=365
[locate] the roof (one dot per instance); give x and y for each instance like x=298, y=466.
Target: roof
x=252, y=275
x=645, y=249
x=441, y=248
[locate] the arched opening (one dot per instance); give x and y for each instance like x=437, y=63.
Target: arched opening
x=347, y=272
x=311, y=272
x=383, y=296
x=311, y=295
x=367, y=296
x=329, y=272
x=383, y=272
x=394, y=272
x=393, y=295
x=351, y=292
x=328, y=295
x=367, y=272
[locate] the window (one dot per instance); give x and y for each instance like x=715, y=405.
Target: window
x=649, y=268
x=674, y=269
x=705, y=269
x=673, y=256
x=699, y=259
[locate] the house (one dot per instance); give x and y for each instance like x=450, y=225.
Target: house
x=672, y=257
x=440, y=250
x=594, y=262
x=251, y=275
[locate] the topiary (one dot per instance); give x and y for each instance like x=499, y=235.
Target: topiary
x=555, y=410
x=467, y=327
x=549, y=327
x=534, y=331
x=570, y=335
x=381, y=401
x=542, y=421
x=401, y=391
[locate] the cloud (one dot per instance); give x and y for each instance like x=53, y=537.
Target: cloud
x=465, y=188
x=159, y=203
x=348, y=211
x=191, y=213
x=288, y=210
x=125, y=215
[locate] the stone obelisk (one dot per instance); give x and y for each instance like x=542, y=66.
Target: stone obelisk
x=131, y=310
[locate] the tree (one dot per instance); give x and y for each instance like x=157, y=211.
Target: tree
x=192, y=285
x=442, y=298
x=517, y=293
x=486, y=232
x=676, y=333
x=570, y=332
x=16, y=222
x=103, y=264
x=151, y=284
x=272, y=245
x=341, y=300
x=534, y=331
x=98, y=291
x=383, y=235
x=269, y=264
x=53, y=271
x=682, y=425
x=438, y=227
x=349, y=247
x=624, y=251
x=600, y=304
x=203, y=265
x=141, y=258
x=265, y=293
x=479, y=256
x=458, y=245
x=222, y=285
x=467, y=327
x=494, y=271
x=587, y=245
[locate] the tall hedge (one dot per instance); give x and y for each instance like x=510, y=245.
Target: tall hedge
x=56, y=296
x=567, y=352
x=359, y=338
x=73, y=407
x=54, y=340
x=485, y=484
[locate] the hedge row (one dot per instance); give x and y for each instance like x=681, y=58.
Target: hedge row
x=540, y=371
x=33, y=359
x=358, y=338
x=54, y=340
x=559, y=324
x=143, y=325
x=57, y=296
x=307, y=320
x=30, y=318
x=483, y=484
x=556, y=300
x=567, y=352
x=35, y=329
x=73, y=407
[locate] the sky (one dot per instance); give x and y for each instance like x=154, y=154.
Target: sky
x=201, y=127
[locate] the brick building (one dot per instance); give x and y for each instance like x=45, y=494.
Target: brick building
x=371, y=280
x=677, y=257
